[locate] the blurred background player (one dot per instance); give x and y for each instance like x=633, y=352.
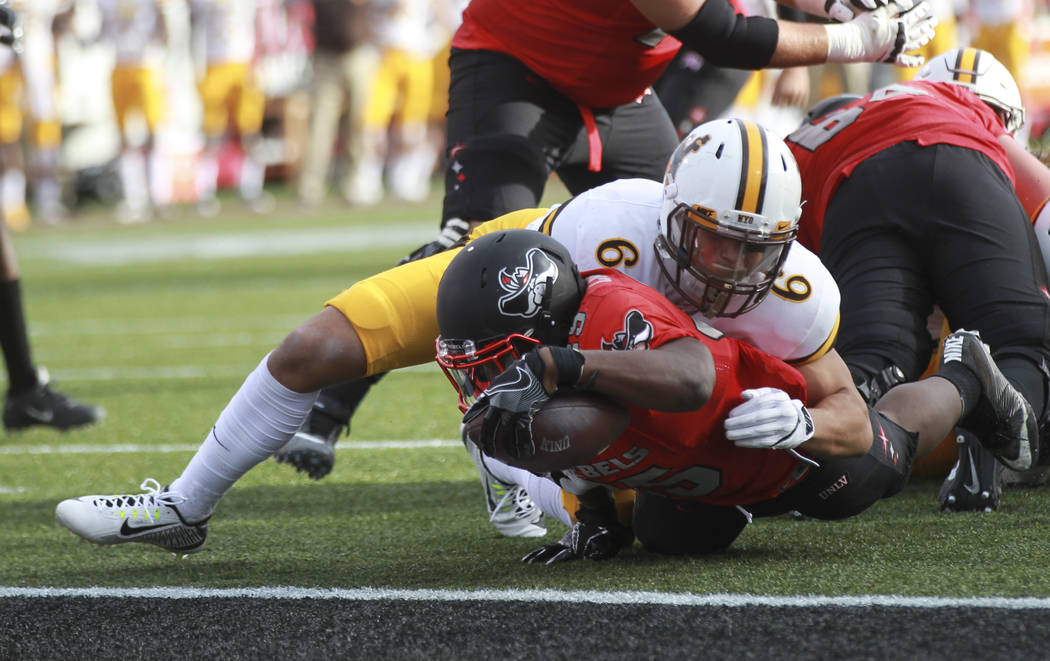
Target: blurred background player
x=223, y=34
x=42, y=20
x=12, y=165
x=397, y=115
x=136, y=31
x=344, y=63
x=29, y=400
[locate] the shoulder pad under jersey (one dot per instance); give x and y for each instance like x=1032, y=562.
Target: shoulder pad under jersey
x=799, y=319
x=612, y=226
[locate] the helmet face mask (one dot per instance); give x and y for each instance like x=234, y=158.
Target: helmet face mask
x=731, y=207
x=471, y=369
x=979, y=71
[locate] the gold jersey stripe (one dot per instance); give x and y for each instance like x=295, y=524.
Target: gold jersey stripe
x=752, y=190
x=822, y=349
x=966, y=65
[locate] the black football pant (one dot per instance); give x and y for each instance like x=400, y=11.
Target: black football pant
x=836, y=489
x=507, y=130
x=916, y=226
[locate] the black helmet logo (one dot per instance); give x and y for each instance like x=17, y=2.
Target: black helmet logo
x=527, y=286
x=636, y=334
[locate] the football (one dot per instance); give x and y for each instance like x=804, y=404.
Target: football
x=568, y=430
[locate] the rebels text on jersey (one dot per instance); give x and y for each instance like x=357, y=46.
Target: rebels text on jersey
x=828, y=148
x=684, y=455
x=614, y=226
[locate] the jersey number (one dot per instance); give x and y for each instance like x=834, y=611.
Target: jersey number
x=812, y=135
x=692, y=482
x=613, y=252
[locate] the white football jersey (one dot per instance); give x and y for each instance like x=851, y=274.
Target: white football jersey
x=615, y=225
x=131, y=26
x=227, y=28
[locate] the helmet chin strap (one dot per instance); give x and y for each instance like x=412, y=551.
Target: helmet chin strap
x=546, y=326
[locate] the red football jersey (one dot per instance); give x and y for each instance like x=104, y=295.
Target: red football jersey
x=830, y=147
x=685, y=455
x=599, y=53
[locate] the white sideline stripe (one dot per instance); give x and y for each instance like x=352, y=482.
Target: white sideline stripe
x=67, y=374
x=130, y=447
x=552, y=596
x=115, y=251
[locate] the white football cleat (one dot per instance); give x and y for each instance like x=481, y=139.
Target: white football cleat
x=148, y=518
x=511, y=510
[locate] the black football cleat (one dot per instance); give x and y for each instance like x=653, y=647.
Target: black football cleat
x=49, y=408
x=975, y=481
x=1003, y=420
x=311, y=450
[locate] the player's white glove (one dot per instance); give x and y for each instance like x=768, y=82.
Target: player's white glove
x=769, y=419
x=883, y=35
x=847, y=10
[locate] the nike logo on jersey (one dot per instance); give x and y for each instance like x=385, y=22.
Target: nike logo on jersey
x=127, y=531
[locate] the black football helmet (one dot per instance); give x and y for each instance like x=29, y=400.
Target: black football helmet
x=503, y=294
x=825, y=106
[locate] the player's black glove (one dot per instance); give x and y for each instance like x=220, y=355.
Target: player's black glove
x=509, y=403
x=596, y=535
x=513, y=397
x=453, y=232
x=7, y=26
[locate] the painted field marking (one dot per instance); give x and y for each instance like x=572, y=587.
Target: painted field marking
x=549, y=596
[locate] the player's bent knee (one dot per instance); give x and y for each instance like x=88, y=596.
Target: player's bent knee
x=679, y=527
x=322, y=352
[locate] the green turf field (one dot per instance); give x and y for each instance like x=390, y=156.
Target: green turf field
x=159, y=323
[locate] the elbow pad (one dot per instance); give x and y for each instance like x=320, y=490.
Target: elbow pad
x=727, y=39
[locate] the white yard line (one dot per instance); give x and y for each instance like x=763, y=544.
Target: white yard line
x=125, y=448
x=168, y=372
x=556, y=596
x=116, y=251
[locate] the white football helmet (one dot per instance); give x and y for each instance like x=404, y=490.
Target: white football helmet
x=985, y=75
x=730, y=212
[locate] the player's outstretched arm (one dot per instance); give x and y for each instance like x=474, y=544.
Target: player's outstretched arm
x=676, y=376
x=725, y=38
x=834, y=423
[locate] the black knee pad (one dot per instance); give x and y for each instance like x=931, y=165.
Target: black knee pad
x=873, y=385
x=683, y=527
x=491, y=175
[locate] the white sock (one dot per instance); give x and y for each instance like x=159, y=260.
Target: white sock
x=207, y=175
x=262, y=416
x=133, y=179
x=546, y=494
x=13, y=189
x=252, y=174
x=159, y=178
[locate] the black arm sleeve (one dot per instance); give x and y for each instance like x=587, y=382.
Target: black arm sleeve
x=727, y=39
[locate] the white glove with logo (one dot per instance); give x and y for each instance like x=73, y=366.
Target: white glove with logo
x=847, y=10
x=769, y=419
x=883, y=35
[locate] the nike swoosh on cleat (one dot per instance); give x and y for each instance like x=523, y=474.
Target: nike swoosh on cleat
x=38, y=415
x=128, y=531
x=973, y=486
